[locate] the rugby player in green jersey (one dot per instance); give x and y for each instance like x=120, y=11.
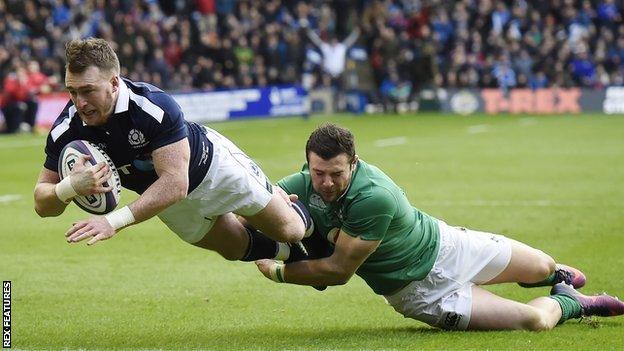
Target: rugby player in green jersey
x=426, y=269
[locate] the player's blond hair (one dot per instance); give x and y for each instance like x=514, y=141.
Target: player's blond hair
x=84, y=53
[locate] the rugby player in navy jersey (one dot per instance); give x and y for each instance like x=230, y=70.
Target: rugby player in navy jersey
x=191, y=177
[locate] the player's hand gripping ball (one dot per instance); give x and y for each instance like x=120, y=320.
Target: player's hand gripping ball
x=99, y=203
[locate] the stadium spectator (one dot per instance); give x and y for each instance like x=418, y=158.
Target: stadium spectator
x=14, y=98
x=37, y=83
x=333, y=59
x=425, y=269
x=395, y=91
x=333, y=52
x=504, y=74
x=462, y=39
x=191, y=177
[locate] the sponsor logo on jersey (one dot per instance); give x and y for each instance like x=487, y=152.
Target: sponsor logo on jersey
x=317, y=202
x=136, y=138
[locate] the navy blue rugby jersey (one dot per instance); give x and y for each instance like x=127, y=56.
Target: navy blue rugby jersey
x=145, y=119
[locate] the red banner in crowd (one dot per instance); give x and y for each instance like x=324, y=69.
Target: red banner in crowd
x=50, y=106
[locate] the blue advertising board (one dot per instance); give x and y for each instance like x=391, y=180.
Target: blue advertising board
x=287, y=100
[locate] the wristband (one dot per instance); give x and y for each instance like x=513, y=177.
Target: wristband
x=120, y=218
x=276, y=272
x=64, y=190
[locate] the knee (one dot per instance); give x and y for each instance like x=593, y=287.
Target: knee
x=536, y=322
x=288, y=230
x=545, y=266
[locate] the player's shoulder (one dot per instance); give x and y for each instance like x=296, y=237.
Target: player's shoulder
x=149, y=100
x=66, y=124
x=369, y=183
x=296, y=182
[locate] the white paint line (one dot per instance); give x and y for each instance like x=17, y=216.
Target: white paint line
x=391, y=141
x=4, y=199
x=18, y=144
x=528, y=121
x=479, y=128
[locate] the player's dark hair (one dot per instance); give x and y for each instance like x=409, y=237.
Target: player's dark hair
x=329, y=141
x=81, y=54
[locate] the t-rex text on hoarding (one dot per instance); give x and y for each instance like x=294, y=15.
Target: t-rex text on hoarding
x=544, y=101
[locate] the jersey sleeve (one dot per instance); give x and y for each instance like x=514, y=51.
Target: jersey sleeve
x=60, y=134
x=172, y=128
x=294, y=184
x=370, y=214
x=53, y=152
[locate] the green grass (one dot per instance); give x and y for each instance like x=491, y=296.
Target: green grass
x=552, y=182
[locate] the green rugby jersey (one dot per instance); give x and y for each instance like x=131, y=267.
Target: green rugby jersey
x=375, y=208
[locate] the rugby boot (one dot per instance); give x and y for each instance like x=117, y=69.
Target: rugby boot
x=298, y=252
x=570, y=276
x=563, y=274
x=591, y=305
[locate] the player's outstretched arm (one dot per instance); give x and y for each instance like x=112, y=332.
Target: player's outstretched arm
x=350, y=252
x=52, y=195
x=171, y=163
x=47, y=203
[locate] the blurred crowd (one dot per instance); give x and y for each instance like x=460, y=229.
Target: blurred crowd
x=395, y=47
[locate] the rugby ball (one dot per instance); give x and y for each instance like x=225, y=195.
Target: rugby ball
x=96, y=203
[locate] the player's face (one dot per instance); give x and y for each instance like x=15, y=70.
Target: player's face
x=93, y=92
x=331, y=178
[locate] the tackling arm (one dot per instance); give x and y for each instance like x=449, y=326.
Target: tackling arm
x=350, y=252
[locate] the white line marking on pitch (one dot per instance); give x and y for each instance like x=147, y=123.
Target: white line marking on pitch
x=391, y=141
x=22, y=144
x=9, y=198
x=527, y=121
x=479, y=128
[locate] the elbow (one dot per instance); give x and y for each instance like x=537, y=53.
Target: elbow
x=180, y=191
x=40, y=212
x=341, y=277
x=46, y=212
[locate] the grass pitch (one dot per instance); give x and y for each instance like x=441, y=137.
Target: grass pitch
x=551, y=182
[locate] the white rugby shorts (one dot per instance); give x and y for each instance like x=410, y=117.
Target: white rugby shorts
x=233, y=183
x=443, y=298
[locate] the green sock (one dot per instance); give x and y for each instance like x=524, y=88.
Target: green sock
x=570, y=308
x=550, y=281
